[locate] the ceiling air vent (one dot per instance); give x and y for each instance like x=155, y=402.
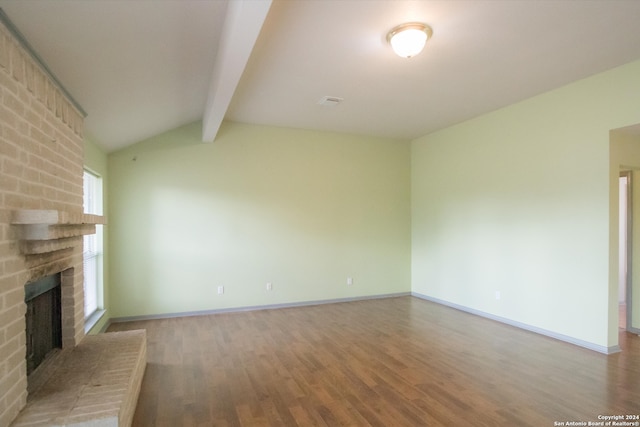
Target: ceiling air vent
x=330, y=101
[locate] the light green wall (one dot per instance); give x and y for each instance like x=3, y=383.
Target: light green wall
x=522, y=201
x=95, y=159
x=300, y=209
x=518, y=201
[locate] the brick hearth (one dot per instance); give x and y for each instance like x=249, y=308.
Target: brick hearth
x=94, y=384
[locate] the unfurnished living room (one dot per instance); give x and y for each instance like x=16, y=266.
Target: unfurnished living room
x=319, y=213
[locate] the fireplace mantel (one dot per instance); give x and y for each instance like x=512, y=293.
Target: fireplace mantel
x=41, y=231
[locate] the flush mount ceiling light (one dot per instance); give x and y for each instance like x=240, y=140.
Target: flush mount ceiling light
x=408, y=39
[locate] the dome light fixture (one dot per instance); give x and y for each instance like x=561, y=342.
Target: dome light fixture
x=408, y=39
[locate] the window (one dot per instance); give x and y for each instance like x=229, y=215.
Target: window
x=92, y=253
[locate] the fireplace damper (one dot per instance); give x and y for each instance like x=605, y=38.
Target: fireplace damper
x=43, y=319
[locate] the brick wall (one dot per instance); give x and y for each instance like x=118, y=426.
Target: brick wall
x=41, y=166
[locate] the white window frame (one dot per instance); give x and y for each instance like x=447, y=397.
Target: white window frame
x=93, y=251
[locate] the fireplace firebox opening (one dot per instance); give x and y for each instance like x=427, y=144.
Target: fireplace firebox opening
x=43, y=319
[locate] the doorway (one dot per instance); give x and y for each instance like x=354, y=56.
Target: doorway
x=624, y=258
x=627, y=255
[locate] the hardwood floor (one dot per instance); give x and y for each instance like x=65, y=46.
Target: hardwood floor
x=387, y=362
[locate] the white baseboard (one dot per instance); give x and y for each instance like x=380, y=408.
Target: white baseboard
x=524, y=326
x=551, y=334
x=253, y=308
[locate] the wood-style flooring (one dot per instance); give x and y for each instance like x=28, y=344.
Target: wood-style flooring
x=383, y=362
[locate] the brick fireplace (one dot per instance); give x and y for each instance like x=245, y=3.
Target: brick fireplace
x=93, y=380
x=41, y=167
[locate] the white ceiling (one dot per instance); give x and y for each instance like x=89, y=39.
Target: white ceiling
x=141, y=67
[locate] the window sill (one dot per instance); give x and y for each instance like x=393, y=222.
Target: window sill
x=93, y=319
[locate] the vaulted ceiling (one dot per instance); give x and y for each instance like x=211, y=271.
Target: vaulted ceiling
x=141, y=67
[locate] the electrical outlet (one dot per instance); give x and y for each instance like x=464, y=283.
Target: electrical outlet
x=220, y=290
x=498, y=296
x=349, y=281
x=269, y=286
